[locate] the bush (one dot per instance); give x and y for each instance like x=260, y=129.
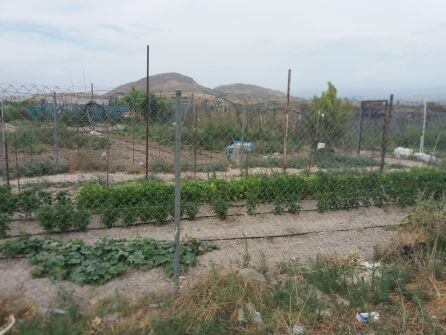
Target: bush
x=220, y=206
x=191, y=209
x=62, y=217
x=41, y=168
x=4, y=225
x=7, y=200
x=28, y=202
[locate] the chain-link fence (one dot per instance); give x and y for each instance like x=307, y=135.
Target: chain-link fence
x=109, y=160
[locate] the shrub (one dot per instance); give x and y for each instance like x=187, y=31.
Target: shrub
x=191, y=209
x=62, y=216
x=7, y=200
x=109, y=215
x=28, y=202
x=220, y=206
x=4, y=226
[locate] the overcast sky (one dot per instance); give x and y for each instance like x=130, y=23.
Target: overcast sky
x=359, y=45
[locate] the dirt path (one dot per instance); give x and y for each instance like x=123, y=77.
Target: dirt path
x=324, y=237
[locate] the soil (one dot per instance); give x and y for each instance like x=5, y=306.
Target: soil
x=333, y=232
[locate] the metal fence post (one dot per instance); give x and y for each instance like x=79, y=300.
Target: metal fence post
x=176, y=261
x=56, y=140
x=285, y=141
x=4, y=143
x=148, y=112
x=358, y=145
x=387, y=116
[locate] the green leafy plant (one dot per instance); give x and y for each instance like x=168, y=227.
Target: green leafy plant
x=28, y=202
x=220, y=206
x=102, y=261
x=191, y=209
x=153, y=199
x=4, y=225
x=7, y=200
x=278, y=205
x=62, y=216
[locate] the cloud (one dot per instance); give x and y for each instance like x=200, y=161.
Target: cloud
x=352, y=43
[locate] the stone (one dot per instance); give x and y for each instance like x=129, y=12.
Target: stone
x=109, y=319
x=251, y=274
x=326, y=313
x=255, y=316
x=298, y=330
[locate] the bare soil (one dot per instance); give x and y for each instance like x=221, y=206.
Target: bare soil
x=325, y=233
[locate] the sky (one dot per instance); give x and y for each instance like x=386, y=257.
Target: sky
x=362, y=46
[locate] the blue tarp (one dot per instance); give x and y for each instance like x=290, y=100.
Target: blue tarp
x=248, y=148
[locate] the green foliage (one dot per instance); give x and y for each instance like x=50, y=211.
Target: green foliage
x=28, y=202
x=102, y=261
x=140, y=103
x=150, y=199
x=349, y=281
x=41, y=168
x=36, y=169
x=34, y=137
x=4, y=225
x=62, y=216
x=191, y=209
x=7, y=200
x=220, y=205
x=328, y=117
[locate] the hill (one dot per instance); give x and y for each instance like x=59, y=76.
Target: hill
x=168, y=82
x=165, y=83
x=249, y=91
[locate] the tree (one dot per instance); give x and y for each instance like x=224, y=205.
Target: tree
x=328, y=118
x=160, y=110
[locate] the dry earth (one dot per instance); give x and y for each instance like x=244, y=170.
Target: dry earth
x=323, y=233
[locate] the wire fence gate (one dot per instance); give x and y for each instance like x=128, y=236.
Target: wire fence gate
x=124, y=159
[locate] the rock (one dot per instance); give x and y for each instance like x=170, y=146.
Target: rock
x=424, y=157
x=251, y=274
x=298, y=330
x=241, y=316
x=111, y=318
x=326, y=313
x=58, y=311
x=254, y=315
x=341, y=301
x=401, y=152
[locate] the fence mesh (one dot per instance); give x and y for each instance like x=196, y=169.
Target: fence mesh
x=111, y=157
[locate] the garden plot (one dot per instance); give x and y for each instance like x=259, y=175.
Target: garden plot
x=332, y=232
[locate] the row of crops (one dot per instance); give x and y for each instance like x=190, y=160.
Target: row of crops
x=153, y=201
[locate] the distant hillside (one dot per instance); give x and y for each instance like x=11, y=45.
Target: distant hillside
x=169, y=82
x=249, y=91
x=165, y=83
